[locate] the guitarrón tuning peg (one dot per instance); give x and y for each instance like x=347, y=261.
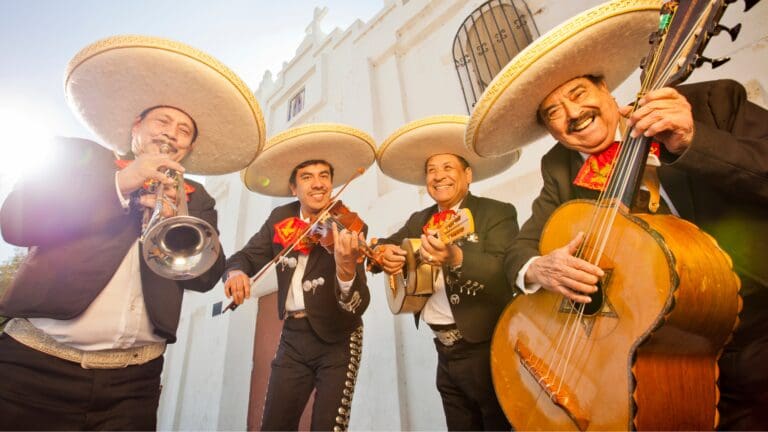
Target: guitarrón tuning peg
x=733, y=31
x=749, y=3
x=700, y=60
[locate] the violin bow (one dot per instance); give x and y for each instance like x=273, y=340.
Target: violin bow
x=286, y=250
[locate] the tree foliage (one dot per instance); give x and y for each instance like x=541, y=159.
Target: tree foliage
x=8, y=269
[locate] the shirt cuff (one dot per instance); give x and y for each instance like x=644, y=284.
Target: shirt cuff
x=124, y=203
x=344, y=287
x=520, y=281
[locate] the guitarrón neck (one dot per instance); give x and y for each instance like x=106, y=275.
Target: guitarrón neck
x=627, y=172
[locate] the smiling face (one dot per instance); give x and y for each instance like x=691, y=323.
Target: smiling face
x=312, y=185
x=581, y=114
x=163, y=125
x=447, y=180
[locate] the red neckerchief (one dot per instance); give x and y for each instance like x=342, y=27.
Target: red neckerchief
x=437, y=220
x=122, y=163
x=596, y=169
x=288, y=230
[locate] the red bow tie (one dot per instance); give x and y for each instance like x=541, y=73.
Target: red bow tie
x=288, y=230
x=597, y=168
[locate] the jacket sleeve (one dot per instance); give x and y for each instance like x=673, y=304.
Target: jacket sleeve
x=483, y=263
x=730, y=141
x=356, y=300
x=411, y=229
x=73, y=196
x=255, y=254
x=202, y=206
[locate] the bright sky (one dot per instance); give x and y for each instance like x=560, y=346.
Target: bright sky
x=39, y=37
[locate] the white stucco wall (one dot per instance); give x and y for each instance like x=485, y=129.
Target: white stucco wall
x=376, y=76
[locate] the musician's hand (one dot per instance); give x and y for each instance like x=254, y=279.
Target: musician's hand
x=392, y=258
x=346, y=251
x=237, y=287
x=665, y=115
x=437, y=253
x=147, y=166
x=559, y=271
x=169, y=201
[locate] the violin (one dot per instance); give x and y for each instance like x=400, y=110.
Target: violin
x=320, y=232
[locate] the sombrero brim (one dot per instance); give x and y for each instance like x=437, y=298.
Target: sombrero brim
x=608, y=40
x=403, y=154
x=345, y=148
x=110, y=82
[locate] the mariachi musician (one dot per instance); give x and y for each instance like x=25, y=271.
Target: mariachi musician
x=322, y=290
x=713, y=158
x=91, y=317
x=471, y=288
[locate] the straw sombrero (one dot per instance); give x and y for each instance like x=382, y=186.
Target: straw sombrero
x=608, y=40
x=403, y=154
x=345, y=148
x=111, y=81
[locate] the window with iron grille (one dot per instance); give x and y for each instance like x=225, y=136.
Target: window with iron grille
x=487, y=40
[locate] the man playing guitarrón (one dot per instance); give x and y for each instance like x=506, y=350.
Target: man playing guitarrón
x=713, y=157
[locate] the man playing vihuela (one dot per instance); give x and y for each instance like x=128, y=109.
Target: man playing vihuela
x=471, y=288
x=322, y=290
x=95, y=302
x=710, y=145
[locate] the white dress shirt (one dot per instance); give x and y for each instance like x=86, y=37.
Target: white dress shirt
x=117, y=317
x=437, y=310
x=294, y=301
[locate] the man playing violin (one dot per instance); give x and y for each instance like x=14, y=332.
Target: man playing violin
x=471, y=289
x=91, y=319
x=713, y=158
x=322, y=291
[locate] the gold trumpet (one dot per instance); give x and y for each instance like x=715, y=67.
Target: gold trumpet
x=180, y=247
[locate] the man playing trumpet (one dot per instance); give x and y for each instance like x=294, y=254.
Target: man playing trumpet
x=91, y=320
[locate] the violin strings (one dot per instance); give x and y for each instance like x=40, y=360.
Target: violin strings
x=608, y=200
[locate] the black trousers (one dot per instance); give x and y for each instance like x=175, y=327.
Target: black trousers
x=41, y=392
x=465, y=386
x=744, y=368
x=303, y=363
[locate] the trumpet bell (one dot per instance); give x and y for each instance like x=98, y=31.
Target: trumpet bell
x=181, y=247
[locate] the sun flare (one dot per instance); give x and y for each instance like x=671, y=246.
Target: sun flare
x=25, y=144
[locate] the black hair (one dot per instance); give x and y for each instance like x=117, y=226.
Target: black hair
x=464, y=163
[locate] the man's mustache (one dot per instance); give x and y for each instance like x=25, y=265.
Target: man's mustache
x=583, y=116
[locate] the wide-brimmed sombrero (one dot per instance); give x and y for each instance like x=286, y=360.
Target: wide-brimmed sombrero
x=608, y=40
x=347, y=149
x=404, y=153
x=111, y=81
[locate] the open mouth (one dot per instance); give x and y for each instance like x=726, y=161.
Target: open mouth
x=582, y=122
